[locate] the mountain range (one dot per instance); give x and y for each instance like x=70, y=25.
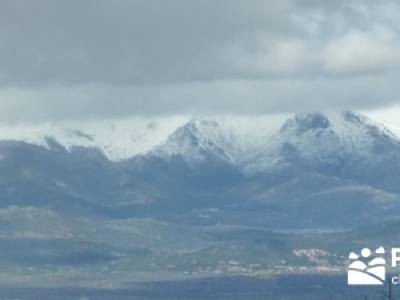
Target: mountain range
x=316, y=170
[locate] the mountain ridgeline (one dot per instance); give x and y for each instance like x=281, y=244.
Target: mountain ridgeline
x=324, y=171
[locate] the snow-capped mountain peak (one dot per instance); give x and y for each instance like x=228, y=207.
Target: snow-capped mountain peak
x=350, y=131
x=324, y=138
x=117, y=139
x=196, y=140
x=230, y=139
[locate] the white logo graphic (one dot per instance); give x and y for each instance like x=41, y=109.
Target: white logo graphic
x=367, y=269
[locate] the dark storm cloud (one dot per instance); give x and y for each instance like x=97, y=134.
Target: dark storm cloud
x=78, y=59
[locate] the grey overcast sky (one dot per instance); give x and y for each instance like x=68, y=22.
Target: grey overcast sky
x=72, y=59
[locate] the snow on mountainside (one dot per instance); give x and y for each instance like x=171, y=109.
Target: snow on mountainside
x=118, y=139
x=231, y=139
x=320, y=135
x=323, y=137
x=251, y=143
x=315, y=137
